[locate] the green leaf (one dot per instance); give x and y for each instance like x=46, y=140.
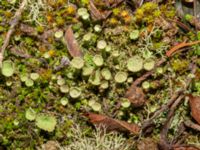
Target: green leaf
x=46, y=122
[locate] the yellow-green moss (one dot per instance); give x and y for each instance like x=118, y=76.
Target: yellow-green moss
x=147, y=13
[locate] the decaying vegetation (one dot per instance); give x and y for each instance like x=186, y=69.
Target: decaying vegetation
x=100, y=74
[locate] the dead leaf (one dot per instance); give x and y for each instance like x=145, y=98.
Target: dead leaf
x=135, y=96
x=195, y=107
x=72, y=44
x=96, y=14
x=147, y=144
x=112, y=124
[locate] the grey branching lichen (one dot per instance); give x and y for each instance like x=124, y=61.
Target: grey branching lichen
x=99, y=140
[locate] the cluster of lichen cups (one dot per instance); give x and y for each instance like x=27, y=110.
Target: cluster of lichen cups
x=102, y=71
x=105, y=70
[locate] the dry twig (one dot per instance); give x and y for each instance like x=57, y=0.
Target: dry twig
x=164, y=144
x=169, y=104
x=192, y=125
x=13, y=24
x=179, y=46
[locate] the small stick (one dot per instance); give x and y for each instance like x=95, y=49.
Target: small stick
x=13, y=23
x=163, y=108
x=164, y=143
x=192, y=125
x=182, y=25
x=195, y=13
x=166, y=107
x=179, y=46
x=169, y=117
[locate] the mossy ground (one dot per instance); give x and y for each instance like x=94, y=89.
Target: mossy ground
x=36, y=49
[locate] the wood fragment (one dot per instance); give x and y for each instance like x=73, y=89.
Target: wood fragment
x=13, y=24
x=72, y=44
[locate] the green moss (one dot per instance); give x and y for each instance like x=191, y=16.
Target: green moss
x=147, y=13
x=88, y=58
x=180, y=65
x=94, y=86
x=197, y=87
x=60, y=21
x=168, y=10
x=84, y=2
x=188, y=17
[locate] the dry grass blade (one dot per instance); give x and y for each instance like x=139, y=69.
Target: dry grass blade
x=72, y=44
x=112, y=124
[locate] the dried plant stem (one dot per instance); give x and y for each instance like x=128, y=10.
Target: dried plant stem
x=170, y=103
x=192, y=125
x=161, y=109
x=164, y=142
x=13, y=23
x=179, y=46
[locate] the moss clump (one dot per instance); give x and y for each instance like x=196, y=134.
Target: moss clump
x=180, y=66
x=147, y=13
